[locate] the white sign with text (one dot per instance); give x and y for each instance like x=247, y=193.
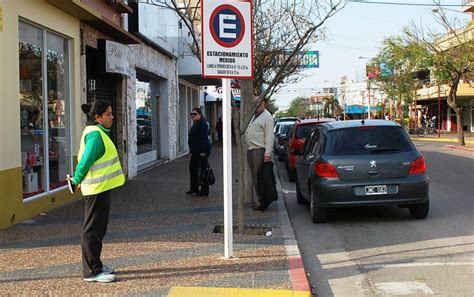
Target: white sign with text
x=227, y=39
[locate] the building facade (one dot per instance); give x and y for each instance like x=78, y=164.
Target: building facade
x=59, y=54
x=433, y=98
x=40, y=122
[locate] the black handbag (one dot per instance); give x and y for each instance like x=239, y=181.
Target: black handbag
x=205, y=174
x=266, y=185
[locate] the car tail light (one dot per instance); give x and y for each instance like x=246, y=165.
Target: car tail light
x=323, y=169
x=297, y=145
x=418, y=166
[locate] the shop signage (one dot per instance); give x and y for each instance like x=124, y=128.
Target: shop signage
x=157, y=24
x=116, y=58
x=226, y=39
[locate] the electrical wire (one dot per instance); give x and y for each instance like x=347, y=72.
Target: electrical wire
x=401, y=3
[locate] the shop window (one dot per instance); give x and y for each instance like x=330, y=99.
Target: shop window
x=143, y=102
x=44, y=103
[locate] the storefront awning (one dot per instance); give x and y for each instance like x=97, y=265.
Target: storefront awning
x=356, y=109
x=361, y=109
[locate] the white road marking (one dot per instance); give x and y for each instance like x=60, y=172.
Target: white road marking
x=285, y=191
x=419, y=264
x=404, y=288
x=354, y=281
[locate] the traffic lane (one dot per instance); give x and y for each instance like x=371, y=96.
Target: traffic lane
x=315, y=240
x=372, y=241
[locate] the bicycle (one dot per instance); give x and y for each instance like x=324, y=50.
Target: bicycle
x=424, y=129
x=421, y=131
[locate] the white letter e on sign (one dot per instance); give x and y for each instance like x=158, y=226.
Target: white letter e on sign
x=223, y=26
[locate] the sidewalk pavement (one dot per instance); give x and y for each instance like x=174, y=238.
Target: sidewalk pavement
x=160, y=243
x=451, y=140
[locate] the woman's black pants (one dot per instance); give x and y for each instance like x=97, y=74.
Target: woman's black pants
x=96, y=219
x=194, y=164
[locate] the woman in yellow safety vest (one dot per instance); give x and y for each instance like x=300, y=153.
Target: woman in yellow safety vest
x=98, y=171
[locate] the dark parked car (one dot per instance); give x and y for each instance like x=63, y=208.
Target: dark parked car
x=296, y=141
x=143, y=131
x=282, y=129
x=285, y=119
x=355, y=163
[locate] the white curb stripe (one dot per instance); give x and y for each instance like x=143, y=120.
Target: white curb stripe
x=407, y=265
x=404, y=288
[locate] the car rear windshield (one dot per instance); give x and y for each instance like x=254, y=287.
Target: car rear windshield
x=367, y=140
x=303, y=130
x=284, y=130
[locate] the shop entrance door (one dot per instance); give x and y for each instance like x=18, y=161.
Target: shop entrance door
x=472, y=116
x=183, y=119
x=100, y=86
x=147, y=103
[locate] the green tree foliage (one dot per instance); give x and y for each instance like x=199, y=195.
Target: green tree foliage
x=406, y=58
x=299, y=107
x=331, y=107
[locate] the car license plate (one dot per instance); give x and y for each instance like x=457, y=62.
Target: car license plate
x=376, y=190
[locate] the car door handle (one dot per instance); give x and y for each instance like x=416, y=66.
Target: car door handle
x=373, y=172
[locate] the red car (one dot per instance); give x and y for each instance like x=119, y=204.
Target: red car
x=296, y=141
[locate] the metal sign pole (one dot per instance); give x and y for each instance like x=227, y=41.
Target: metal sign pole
x=226, y=117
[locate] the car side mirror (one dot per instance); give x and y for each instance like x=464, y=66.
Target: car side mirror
x=284, y=138
x=277, y=134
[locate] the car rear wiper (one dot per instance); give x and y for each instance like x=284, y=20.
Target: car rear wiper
x=384, y=149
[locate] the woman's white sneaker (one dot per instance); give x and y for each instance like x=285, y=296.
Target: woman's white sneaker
x=101, y=278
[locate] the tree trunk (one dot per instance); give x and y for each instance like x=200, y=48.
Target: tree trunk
x=241, y=178
x=245, y=182
x=460, y=127
x=458, y=110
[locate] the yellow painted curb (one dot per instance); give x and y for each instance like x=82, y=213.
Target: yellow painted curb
x=233, y=292
x=441, y=140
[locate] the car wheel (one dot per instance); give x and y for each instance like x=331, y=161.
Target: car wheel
x=299, y=198
x=420, y=211
x=318, y=214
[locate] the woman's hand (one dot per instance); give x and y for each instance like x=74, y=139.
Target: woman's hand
x=76, y=187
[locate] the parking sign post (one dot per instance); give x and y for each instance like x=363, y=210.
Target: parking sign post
x=227, y=53
x=228, y=226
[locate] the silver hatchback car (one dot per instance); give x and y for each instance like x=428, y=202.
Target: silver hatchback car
x=361, y=163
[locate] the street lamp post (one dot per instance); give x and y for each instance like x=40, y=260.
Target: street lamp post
x=439, y=112
x=368, y=100
x=368, y=85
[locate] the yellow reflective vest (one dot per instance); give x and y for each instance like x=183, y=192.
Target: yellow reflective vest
x=106, y=173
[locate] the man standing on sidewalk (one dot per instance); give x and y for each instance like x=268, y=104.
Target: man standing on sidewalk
x=259, y=138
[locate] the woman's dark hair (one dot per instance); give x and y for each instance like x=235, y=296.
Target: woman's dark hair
x=99, y=107
x=198, y=110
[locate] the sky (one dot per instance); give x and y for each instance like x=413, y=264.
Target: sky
x=354, y=35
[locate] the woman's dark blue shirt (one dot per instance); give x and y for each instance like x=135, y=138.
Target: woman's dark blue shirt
x=198, y=139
